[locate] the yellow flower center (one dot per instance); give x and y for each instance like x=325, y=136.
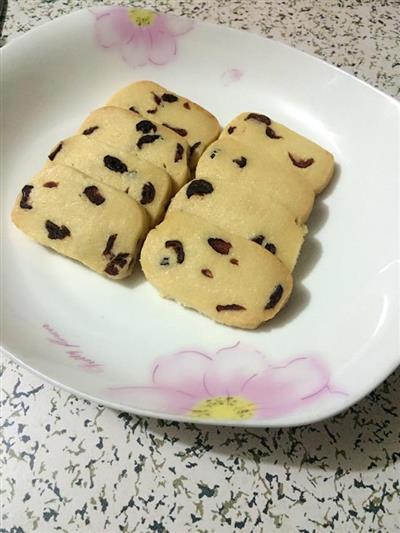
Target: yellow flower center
x=141, y=17
x=224, y=408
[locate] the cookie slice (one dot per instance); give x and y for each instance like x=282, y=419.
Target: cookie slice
x=224, y=276
x=151, y=141
x=297, y=154
x=235, y=207
x=83, y=219
x=236, y=161
x=149, y=185
x=191, y=122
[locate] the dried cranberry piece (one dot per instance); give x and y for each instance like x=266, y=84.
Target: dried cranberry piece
x=148, y=193
x=56, y=232
x=157, y=99
x=230, y=307
x=269, y=132
x=26, y=191
x=270, y=247
x=167, y=97
x=231, y=129
x=186, y=105
x=50, y=184
x=146, y=139
x=276, y=295
x=207, y=273
x=89, y=131
x=55, y=152
x=93, y=194
x=242, y=162
x=301, y=163
x=199, y=188
x=120, y=261
x=179, y=152
x=178, y=248
x=259, y=117
x=111, y=269
x=219, y=245
x=110, y=244
x=258, y=239
x=115, y=164
x=145, y=126
x=193, y=148
x=180, y=131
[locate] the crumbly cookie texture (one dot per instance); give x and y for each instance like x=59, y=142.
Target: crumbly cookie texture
x=82, y=218
x=236, y=161
x=224, y=276
x=188, y=120
x=147, y=184
x=128, y=131
x=235, y=208
x=294, y=152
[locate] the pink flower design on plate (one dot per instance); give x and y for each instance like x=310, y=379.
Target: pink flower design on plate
x=231, y=75
x=236, y=383
x=140, y=35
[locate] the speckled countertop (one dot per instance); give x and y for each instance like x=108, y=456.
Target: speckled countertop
x=69, y=465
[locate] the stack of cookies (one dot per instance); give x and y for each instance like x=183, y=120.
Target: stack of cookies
x=232, y=236
x=104, y=188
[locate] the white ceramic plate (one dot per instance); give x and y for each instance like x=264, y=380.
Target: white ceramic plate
x=119, y=343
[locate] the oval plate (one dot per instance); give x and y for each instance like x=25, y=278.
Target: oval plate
x=119, y=343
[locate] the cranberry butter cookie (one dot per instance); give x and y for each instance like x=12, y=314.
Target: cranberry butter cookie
x=235, y=207
x=224, y=276
x=236, y=161
x=149, y=185
x=295, y=153
x=188, y=120
x=75, y=215
x=149, y=140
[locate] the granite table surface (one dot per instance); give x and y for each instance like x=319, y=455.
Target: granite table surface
x=70, y=465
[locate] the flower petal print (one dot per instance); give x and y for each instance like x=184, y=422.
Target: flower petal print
x=231, y=75
x=140, y=35
x=236, y=383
